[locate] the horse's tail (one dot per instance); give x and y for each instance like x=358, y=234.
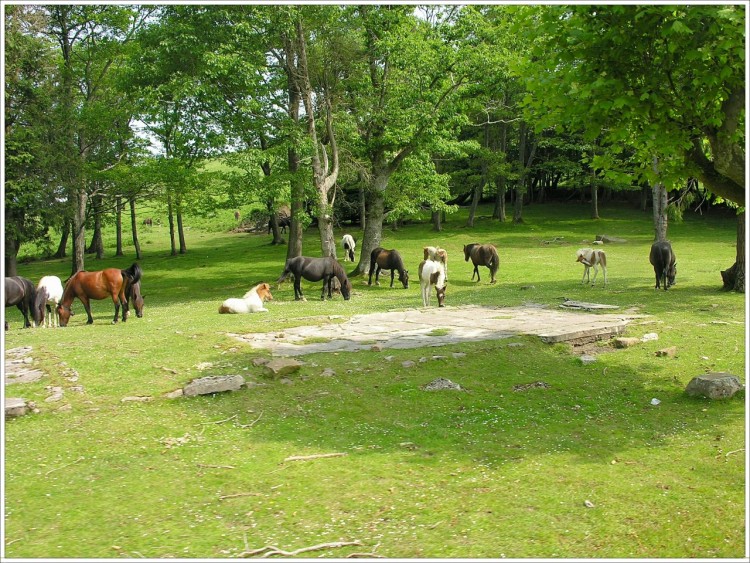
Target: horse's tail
x=494, y=263
x=286, y=272
x=373, y=257
x=223, y=309
x=133, y=274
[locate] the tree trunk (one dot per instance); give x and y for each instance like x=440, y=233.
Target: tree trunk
x=97, y=244
x=436, y=223
x=659, y=194
x=170, y=213
x=362, y=208
x=134, y=229
x=118, y=225
x=11, y=255
x=79, y=229
x=373, y=231
x=475, y=197
x=62, y=248
x=273, y=218
x=499, y=211
x=180, y=227
x=594, y=200
x=297, y=196
x=521, y=185
x=734, y=277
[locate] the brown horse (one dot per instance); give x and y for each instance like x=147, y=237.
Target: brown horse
x=98, y=285
x=382, y=259
x=482, y=255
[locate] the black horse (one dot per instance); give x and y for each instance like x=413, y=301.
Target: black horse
x=482, y=255
x=382, y=259
x=283, y=222
x=316, y=269
x=22, y=293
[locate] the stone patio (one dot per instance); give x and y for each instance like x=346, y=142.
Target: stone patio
x=414, y=328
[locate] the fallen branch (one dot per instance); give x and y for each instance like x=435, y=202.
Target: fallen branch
x=219, y=421
x=314, y=456
x=271, y=550
x=64, y=466
x=236, y=495
x=734, y=452
x=215, y=466
x=252, y=423
x=365, y=556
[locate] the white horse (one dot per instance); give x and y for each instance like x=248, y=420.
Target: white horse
x=251, y=302
x=49, y=290
x=439, y=254
x=348, y=243
x=432, y=273
x=592, y=258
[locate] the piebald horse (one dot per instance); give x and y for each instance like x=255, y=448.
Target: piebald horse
x=432, y=274
x=591, y=258
x=49, y=291
x=251, y=302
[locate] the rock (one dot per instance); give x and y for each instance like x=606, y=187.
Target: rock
x=408, y=364
x=715, y=385
x=176, y=394
x=56, y=394
x=459, y=354
x=260, y=361
x=587, y=359
x=283, y=366
x=376, y=348
x=441, y=384
x=649, y=336
x=15, y=406
x=328, y=372
x=204, y=366
x=65, y=408
x=606, y=238
x=213, y=384
x=668, y=352
x=625, y=342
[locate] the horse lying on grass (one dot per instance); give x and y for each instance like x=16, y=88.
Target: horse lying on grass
x=316, y=269
x=251, y=302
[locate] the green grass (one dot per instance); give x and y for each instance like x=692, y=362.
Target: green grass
x=485, y=473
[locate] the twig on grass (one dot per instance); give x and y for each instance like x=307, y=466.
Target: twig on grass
x=314, y=456
x=271, y=550
x=215, y=466
x=219, y=421
x=236, y=495
x=252, y=423
x=734, y=452
x=64, y=466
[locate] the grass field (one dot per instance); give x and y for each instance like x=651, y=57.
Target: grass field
x=586, y=468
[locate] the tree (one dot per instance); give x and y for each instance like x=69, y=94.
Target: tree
x=661, y=81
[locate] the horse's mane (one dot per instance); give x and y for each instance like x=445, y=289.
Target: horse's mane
x=338, y=271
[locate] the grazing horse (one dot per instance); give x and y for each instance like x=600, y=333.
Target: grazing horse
x=664, y=261
x=348, y=243
x=439, y=254
x=283, y=221
x=592, y=259
x=316, y=269
x=432, y=273
x=382, y=259
x=22, y=293
x=251, y=302
x=482, y=255
x=134, y=296
x=98, y=285
x=48, y=290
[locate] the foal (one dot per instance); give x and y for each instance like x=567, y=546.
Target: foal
x=432, y=273
x=251, y=302
x=591, y=258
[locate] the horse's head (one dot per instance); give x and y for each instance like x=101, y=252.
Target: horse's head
x=404, y=278
x=264, y=292
x=440, y=291
x=672, y=274
x=64, y=313
x=467, y=252
x=346, y=289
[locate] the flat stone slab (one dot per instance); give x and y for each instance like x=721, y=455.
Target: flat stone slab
x=416, y=328
x=213, y=384
x=18, y=366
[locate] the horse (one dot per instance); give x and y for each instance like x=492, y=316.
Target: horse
x=283, y=222
x=382, y=259
x=592, y=259
x=664, y=261
x=134, y=296
x=21, y=292
x=98, y=285
x=48, y=290
x=348, y=243
x=439, y=254
x=148, y=222
x=482, y=255
x=316, y=269
x=251, y=302
x=432, y=273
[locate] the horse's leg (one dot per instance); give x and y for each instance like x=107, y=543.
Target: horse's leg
x=476, y=271
x=596, y=271
x=492, y=276
x=298, y=288
x=377, y=273
x=326, y=280
x=86, y=305
x=23, y=307
x=123, y=297
x=393, y=271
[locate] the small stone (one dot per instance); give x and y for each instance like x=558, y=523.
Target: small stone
x=176, y=394
x=65, y=408
x=213, y=384
x=204, y=366
x=260, y=361
x=328, y=372
x=283, y=366
x=408, y=364
x=459, y=354
x=422, y=360
x=649, y=336
x=286, y=381
x=587, y=359
x=135, y=399
x=668, y=352
x=376, y=348
x=440, y=384
x=15, y=406
x=625, y=342
x=588, y=504
x=76, y=389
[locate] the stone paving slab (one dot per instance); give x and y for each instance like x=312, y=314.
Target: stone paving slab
x=414, y=328
x=18, y=366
